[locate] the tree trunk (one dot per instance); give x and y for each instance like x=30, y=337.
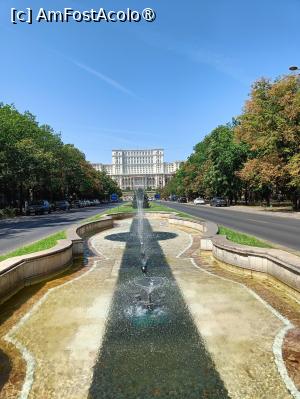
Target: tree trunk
x=21, y=198
x=296, y=201
x=246, y=196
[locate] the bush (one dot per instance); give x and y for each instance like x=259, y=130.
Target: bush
x=8, y=213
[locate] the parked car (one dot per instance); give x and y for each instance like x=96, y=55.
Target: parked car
x=95, y=202
x=199, y=201
x=38, y=207
x=62, y=205
x=77, y=204
x=218, y=201
x=182, y=200
x=173, y=197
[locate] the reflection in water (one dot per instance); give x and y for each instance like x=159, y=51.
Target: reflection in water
x=132, y=236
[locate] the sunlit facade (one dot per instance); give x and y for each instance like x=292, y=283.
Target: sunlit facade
x=139, y=168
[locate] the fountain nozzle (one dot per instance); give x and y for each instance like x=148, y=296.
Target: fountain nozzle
x=144, y=269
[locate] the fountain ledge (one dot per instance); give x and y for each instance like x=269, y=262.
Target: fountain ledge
x=20, y=271
x=279, y=264
x=282, y=265
x=24, y=270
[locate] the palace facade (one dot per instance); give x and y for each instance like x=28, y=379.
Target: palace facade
x=132, y=169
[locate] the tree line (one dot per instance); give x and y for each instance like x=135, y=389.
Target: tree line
x=36, y=164
x=256, y=157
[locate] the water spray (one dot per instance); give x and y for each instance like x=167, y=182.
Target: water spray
x=144, y=269
x=143, y=259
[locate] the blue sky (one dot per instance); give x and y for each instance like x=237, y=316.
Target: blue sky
x=163, y=84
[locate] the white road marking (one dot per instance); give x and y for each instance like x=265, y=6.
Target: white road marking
x=259, y=221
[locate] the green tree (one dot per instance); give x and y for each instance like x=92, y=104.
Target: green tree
x=35, y=162
x=270, y=125
x=212, y=167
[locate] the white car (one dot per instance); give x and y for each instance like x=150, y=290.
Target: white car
x=199, y=201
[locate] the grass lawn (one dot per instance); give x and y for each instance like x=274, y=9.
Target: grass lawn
x=243, y=239
x=127, y=207
x=45, y=243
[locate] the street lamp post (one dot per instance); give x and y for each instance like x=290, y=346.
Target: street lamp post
x=294, y=69
x=105, y=196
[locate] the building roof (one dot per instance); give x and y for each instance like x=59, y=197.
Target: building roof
x=141, y=149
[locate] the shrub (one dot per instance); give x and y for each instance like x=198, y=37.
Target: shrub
x=8, y=213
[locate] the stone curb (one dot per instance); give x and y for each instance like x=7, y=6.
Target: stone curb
x=209, y=230
x=20, y=271
x=76, y=232
x=279, y=264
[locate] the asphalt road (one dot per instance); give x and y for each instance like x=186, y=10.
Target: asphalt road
x=23, y=230
x=279, y=230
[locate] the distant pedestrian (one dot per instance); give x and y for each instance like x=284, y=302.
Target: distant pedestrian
x=25, y=207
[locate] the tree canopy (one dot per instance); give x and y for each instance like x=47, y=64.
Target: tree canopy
x=35, y=163
x=254, y=157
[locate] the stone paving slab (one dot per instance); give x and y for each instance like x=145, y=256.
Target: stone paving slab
x=239, y=332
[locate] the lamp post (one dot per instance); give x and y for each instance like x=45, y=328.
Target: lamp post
x=105, y=196
x=294, y=68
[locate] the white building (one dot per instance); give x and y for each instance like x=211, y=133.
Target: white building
x=139, y=168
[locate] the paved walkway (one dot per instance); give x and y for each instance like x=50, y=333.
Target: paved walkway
x=62, y=334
